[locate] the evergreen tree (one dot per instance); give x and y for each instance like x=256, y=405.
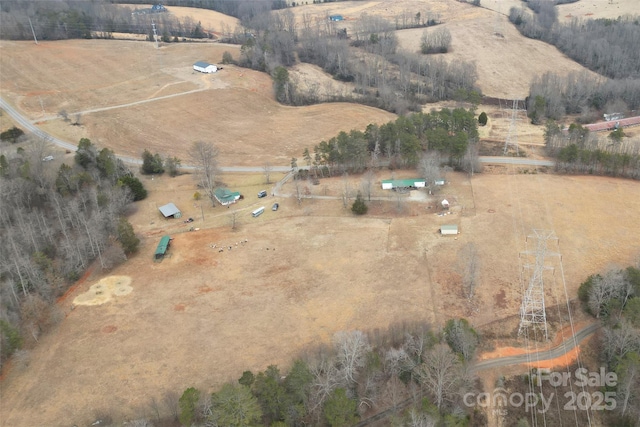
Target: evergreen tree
x=137, y=189
x=151, y=163
x=188, y=402
x=482, y=119
x=127, y=237
x=359, y=207
x=340, y=410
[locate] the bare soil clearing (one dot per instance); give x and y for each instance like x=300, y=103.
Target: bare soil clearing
x=201, y=317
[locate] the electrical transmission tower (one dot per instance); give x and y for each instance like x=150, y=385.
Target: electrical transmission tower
x=512, y=136
x=532, y=311
x=155, y=33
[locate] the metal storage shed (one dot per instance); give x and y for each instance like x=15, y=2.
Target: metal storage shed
x=161, y=250
x=448, y=229
x=170, y=210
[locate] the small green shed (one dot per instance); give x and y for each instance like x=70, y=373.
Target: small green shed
x=161, y=250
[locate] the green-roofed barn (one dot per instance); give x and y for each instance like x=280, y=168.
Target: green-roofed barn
x=225, y=196
x=161, y=250
x=390, y=184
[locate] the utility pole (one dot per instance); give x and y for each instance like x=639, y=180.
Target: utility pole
x=155, y=33
x=32, y=31
x=532, y=312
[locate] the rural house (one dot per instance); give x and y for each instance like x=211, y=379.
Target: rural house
x=205, y=67
x=226, y=197
x=392, y=184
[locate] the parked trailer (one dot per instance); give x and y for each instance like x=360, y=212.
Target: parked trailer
x=257, y=212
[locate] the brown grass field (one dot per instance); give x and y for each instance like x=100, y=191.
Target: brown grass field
x=201, y=317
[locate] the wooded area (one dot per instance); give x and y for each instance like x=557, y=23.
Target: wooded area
x=614, y=297
x=453, y=134
x=54, y=224
x=79, y=19
x=385, y=77
x=415, y=375
x=579, y=151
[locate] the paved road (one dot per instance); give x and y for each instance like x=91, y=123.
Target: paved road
x=555, y=352
x=516, y=161
x=30, y=127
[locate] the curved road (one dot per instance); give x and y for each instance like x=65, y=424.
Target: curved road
x=555, y=352
x=566, y=346
x=30, y=127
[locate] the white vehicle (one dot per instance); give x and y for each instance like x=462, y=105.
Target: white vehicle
x=47, y=159
x=257, y=212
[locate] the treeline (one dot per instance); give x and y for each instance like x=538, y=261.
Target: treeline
x=401, y=143
x=576, y=150
x=415, y=375
x=607, y=46
x=369, y=58
x=54, y=224
x=80, y=19
x=552, y=96
x=614, y=298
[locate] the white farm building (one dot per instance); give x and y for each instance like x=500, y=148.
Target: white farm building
x=449, y=230
x=205, y=67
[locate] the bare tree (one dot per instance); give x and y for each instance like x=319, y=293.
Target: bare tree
x=420, y=419
x=326, y=378
x=352, y=348
x=628, y=389
x=439, y=374
x=64, y=115
x=436, y=41
x=469, y=266
x=461, y=337
x=298, y=193
x=604, y=287
x=346, y=190
x=77, y=119
x=471, y=159
x=367, y=183
x=429, y=167
x=204, y=156
x=620, y=341
x=267, y=172
x=171, y=399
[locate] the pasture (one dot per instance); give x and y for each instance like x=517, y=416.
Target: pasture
x=294, y=277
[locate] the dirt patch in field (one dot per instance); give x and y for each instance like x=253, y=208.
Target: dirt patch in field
x=105, y=290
